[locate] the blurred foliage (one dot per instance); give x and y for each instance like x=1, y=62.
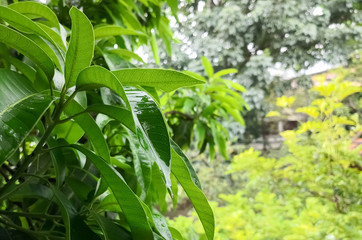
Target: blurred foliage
x=199, y=112
x=314, y=191
x=255, y=36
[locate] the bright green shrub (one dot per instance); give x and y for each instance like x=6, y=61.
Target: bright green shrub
x=314, y=192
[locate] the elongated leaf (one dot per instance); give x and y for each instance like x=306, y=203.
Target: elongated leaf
x=56, y=37
x=208, y=67
x=36, y=10
x=151, y=130
x=90, y=127
x=95, y=77
x=127, y=200
x=20, y=110
x=225, y=72
x=81, y=46
x=114, y=30
x=166, y=80
x=154, y=48
x=75, y=226
x=110, y=229
x=124, y=53
x=27, y=47
x=120, y=114
x=181, y=171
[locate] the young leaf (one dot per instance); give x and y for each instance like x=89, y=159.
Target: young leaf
x=127, y=200
x=20, y=110
x=208, y=67
x=154, y=48
x=166, y=80
x=225, y=72
x=81, y=46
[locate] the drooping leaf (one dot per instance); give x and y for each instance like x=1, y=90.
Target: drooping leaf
x=20, y=109
x=166, y=80
x=114, y=30
x=36, y=10
x=27, y=47
x=154, y=48
x=181, y=171
x=81, y=46
x=225, y=72
x=110, y=229
x=127, y=200
x=151, y=130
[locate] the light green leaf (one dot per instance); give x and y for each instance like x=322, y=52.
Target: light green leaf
x=20, y=109
x=95, y=77
x=164, y=79
x=208, y=67
x=124, y=53
x=114, y=30
x=127, y=200
x=27, y=47
x=36, y=10
x=81, y=46
x=225, y=72
x=154, y=48
x=181, y=171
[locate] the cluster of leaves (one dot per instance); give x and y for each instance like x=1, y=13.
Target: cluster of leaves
x=84, y=151
x=314, y=192
x=201, y=109
x=253, y=36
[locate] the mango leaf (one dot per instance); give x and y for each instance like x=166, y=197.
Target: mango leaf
x=176, y=235
x=124, y=53
x=174, y=7
x=182, y=172
x=127, y=200
x=36, y=10
x=122, y=115
x=151, y=131
x=90, y=127
x=27, y=47
x=111, y=230
x=225, y=72
x=95, y=77
x=114, y=30
x=154, y=48
x=20, y=110
x=208, y=67
x=81, y=46
x=166, y=80
x=23, y=23
x=75, y=226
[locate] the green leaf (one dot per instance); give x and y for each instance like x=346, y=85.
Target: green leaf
x=36, y=10
x=58, y=159
x=181, y=171
x=20, y=110
x=95, y=77
x=23, y=23
x=70, y=131
x=124, y=53
x=164, y=79
x=154, y=48
x=81, y=46
x=120, y=114
x=127, y=200
x=151, y=130
x=225, y=72
x=208, y=67
x=75, y=226
x=27, y=47
x=111, y=230
x=174, y=7
x=114, y=30
x=90, y=127
x=176, y=235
